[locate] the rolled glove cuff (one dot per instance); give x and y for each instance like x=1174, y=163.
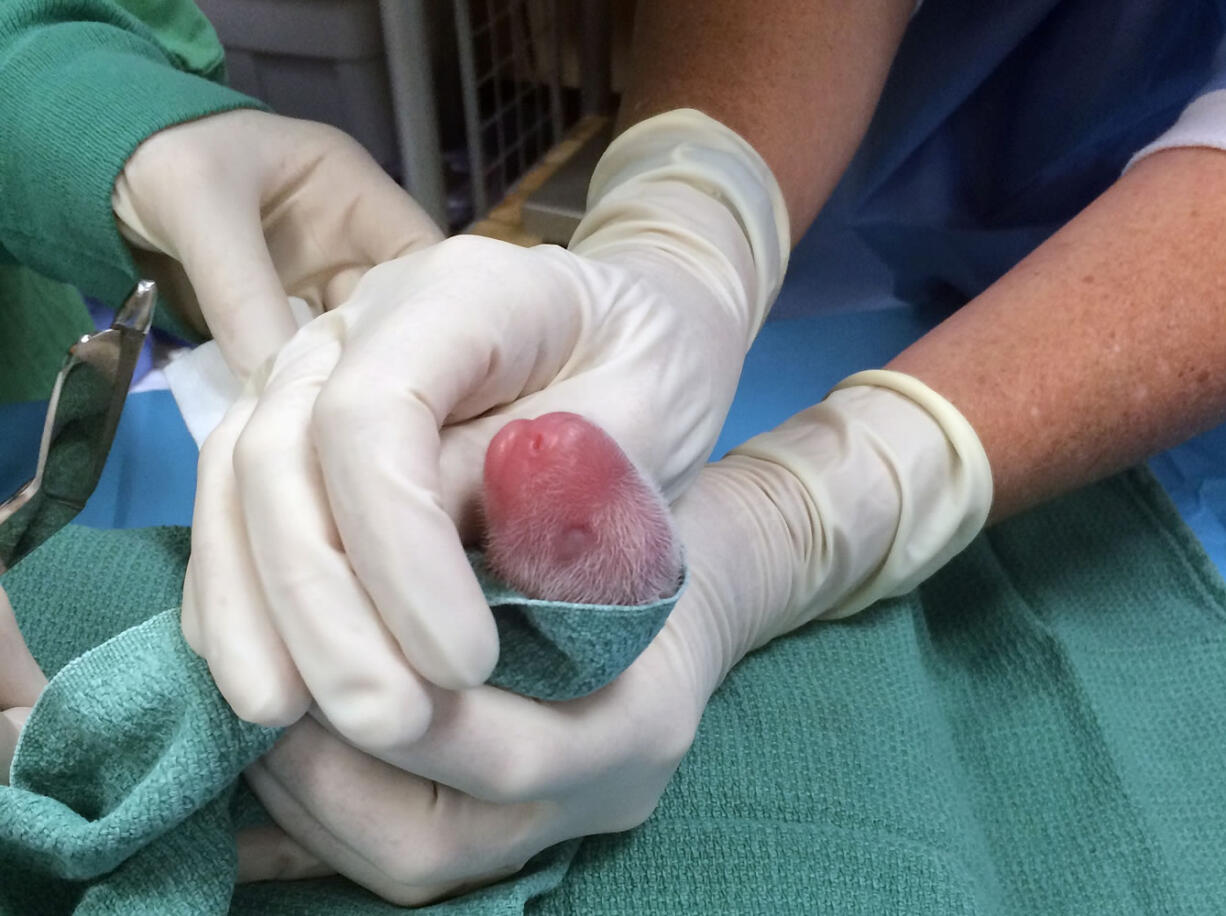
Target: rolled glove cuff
x=686, y=147
x=895, y=482
x=944, y=505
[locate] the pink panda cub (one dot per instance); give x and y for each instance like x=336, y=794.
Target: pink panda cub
x=570, y=518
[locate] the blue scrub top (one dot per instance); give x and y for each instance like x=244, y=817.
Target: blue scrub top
x=999, y=121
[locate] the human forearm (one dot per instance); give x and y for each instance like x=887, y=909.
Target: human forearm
x=798, y=80
x=78, y=93
x=1105, y=345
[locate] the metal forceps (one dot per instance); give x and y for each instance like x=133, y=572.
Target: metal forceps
x=81, y=419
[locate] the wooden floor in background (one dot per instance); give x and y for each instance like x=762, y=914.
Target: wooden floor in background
x=504, y=221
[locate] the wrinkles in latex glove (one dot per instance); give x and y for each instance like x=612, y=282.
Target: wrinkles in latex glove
x=234, y=212
x=857, y=498
x=331, y=510
x=21, y=681
x=334, y=497
x=499, y=777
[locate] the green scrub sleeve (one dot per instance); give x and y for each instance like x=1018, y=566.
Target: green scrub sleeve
x=82, y=84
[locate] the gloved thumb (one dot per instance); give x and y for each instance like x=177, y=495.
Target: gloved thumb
x=226, y=261
x=227, y=271
x=461, y=462
x=11, y=722
x=21, y=680
x=266, y=853
x=238, y=290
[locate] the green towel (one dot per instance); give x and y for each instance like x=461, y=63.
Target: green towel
x=1038, y=729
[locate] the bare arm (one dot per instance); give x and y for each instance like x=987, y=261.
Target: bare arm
x=799, y=79
x=1105, y=345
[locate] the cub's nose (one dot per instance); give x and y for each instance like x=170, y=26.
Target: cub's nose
x=522, y=445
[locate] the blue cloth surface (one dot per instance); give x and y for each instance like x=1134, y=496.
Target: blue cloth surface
x=149, y=478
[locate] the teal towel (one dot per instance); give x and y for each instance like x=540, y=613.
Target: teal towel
x=558, y=650
x=1038, y=729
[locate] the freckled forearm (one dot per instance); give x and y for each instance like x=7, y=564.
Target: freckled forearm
x=1105, y=345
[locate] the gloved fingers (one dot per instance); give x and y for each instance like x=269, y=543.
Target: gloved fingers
x=635, y=392
x=225, y=617
x=480, y=333
x=21, y=679
x=403, y=545
x=240, y=294
x=9, y=733
x=503, y=748
x=462, y=448
x=387, y=223
x=11, y=723
x=406, y=838
x=267, y=853
x=506, y=749
x=376, y=427
x=373, y=215
x=175, y=291
x=345, y=655
x=189, y=613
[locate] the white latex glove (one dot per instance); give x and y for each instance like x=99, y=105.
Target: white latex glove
x=858, y=498
x=233, y=212
x=21, y=681
x=326, y=561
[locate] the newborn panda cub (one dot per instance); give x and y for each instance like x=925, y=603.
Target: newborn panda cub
x=568, y=517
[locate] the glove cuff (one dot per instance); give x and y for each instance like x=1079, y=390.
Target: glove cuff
x=686, y=147
x=894, y=483
x=935, y=522
x=80, y=97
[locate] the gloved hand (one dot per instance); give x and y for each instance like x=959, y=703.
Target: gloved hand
x=326, y=561
x=21, y=681
x=855, y=499
x=233, y=212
